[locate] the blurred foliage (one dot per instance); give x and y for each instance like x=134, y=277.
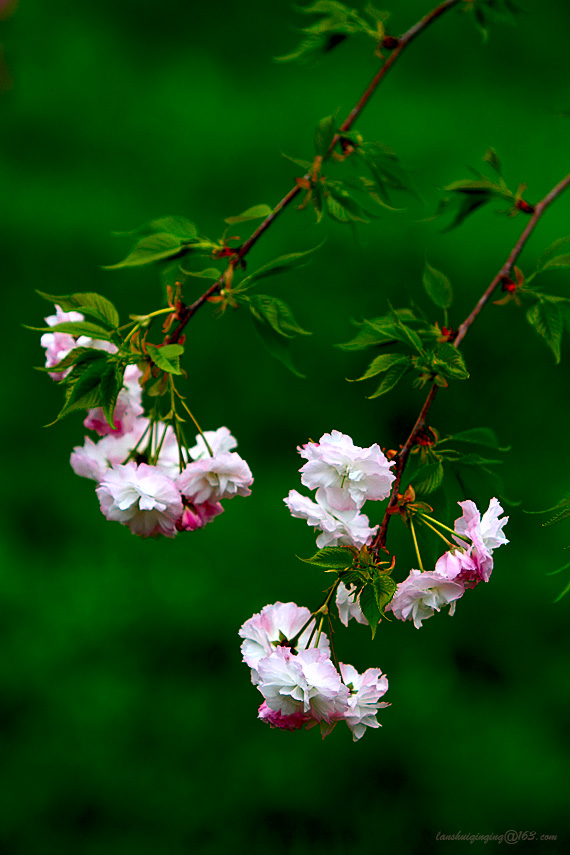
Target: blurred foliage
x=127, y=721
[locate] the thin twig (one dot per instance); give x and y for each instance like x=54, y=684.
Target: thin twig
x=504, y=272
x=402, y=42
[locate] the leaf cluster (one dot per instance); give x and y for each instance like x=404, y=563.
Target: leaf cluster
x=375, y=586
x=332, y=24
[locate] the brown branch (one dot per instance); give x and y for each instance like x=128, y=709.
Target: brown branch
x=401, y=43
x=404, y=453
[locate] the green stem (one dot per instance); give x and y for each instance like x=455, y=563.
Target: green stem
x=439, y=534
x=416, y=544
x=445, y=527
x=198, y=428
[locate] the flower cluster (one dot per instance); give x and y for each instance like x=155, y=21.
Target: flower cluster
x=299, y=682
x=146, y=479
x=344, y=477
x=461, y=567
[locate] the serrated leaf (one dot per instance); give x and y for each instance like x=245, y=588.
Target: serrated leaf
x=384, y=590
x=179, y=226
x=277, y=314
x=324, y=135
x=277, y=345
x=478, y=436
x=282, y=264
x=149, y=249
x=547, y=320
x=558, y=261
x=447, y=360
x=85, y=391
x=393, y=377
x=89, y=303
x=369, y=607
x=429, y=477
x=77, y=355
x=383, y=363
x=437, y=286
x=551, y=251
x=332, y=558
x=257, y=212
x=167, y=358
x=343, y=208
x=77, y=328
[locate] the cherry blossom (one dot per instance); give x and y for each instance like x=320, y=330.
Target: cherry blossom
x=347, y=473
x=219, y=440
x=57, y=344
x=275, y=625
x=94, y=459
x=197, y=516
x=306, y=682
x=142, y=498
x=211, y=479
x=365, y=691
x=486, y=533
x=420, y=594
x=337, y=526
x=348, y=605
x=284, y=722
x=127, y=409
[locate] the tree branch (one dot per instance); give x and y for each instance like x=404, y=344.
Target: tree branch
x=402, y=457
x=402, y=42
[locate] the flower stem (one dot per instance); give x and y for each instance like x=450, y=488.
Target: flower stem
x=441, y=525
x=412, y=529
x=439, y=534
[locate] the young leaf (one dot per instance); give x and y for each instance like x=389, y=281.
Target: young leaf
x=77, y=328
x=369, y=606
x=478, y=436
x=437, y=286
x=332, y=558
x=85, y=390
x=382, y=363
x=167, y=357
x=447, y=360
x=384, y=590
x=546, y=318
x=179, y=226
x=78, y=356
x=93, y=304
x=209, y=273
x=393, y=376
x=282, y=264
x=277, y=314
x=557, y=262
x=492, y=158
x=151, y=248
x=551, y=251
x=276, y=344
x=324, y=135
x=429, y=477
x=256, y=213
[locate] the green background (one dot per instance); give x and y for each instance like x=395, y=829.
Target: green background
x=127, y=721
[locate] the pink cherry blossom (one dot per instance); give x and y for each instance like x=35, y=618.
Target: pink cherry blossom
x=348, y=527
x=457, y=565
x=197, y=516
x=276, y=625
x=365, y=691
x=142, y=498
x=347, y=473
x=219, y=440
x=304, y=683
x=57, y=345
x=284, y=722
x=127, y=409
x=348, y=605
x=485, y=533
x=211, y=479
x=94, y=459
x=420, y=594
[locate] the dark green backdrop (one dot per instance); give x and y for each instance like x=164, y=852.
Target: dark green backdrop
x=128, y=724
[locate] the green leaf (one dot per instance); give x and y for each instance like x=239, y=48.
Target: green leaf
x=332, y=558
x=77, y=356
x=343, y=208
x=478, y=436
x=94, y=380
x=447, y=360
x=277, y=314
x=382, y=363
x=428, y=477
x=558, y=261
x=77, y=328
x=167, y=357
x=393, y=376
x=149, y=249
x=384, y=590
x=255, y=213
x=492, y=158
x=408, y=336
x=178, y=226
x=324, y=135
x=547, y=320
x=93, y=304
x=551, y=251
x=369, y=606
x=208, y=273
x=282, y=264
x=276, y=344
x=437, y=286
x=376, y=330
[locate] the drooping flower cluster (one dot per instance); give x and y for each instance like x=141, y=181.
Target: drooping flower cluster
x=299, y=682
x=145, y=478
x=458, y=569
x=345, y=477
